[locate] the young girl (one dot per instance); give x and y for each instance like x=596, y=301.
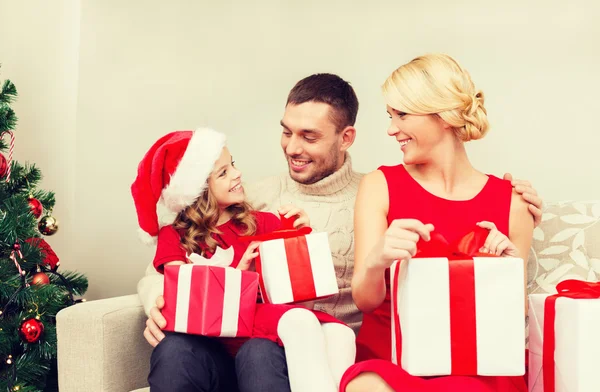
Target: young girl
x=434, y=109
x=190, y=200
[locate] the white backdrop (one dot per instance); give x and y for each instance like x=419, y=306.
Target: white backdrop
x=100, y=81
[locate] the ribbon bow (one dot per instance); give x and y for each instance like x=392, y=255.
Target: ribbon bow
x=570, y=288
x=221, y=258
x=466, y=246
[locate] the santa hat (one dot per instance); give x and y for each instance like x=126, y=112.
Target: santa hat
x=172, y=175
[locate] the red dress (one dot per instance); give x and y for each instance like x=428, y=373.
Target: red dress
x=452, y=219
x=267, y=316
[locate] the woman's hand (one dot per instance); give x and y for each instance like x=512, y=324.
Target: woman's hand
x=497, y=243
x=399, y=242
x=302, y=219
x=249, y=256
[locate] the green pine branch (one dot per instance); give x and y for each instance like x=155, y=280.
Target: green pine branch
x=78, y=283
x=23, y=178
x=8, y=119
x=31, y=373
x=8, y=94
x=18, y=223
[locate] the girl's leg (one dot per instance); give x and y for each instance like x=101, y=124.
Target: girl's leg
x=305, y=352
x=341, y=348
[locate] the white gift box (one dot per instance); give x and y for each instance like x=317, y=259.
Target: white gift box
x=577, y=344
x=424, y=310
x=296, y=269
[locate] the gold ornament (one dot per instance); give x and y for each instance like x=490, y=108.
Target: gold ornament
x=48, y=225
x=40, y=279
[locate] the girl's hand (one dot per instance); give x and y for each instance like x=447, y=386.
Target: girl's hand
x=249, y=256
x=497, y=243
x=302, y=219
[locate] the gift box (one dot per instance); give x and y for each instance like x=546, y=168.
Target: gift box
x=294, y=265
x=209, y=300
x=456, y=311
x=563, y=338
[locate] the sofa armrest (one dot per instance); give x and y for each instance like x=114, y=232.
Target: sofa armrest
x=101, y=346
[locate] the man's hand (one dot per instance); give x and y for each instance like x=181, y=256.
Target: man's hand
x=530, y=195
x=153, y=332
x=302, y=219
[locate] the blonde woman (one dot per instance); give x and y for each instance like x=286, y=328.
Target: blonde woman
x=434, y=109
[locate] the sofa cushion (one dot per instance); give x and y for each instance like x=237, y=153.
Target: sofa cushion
x=566, y=245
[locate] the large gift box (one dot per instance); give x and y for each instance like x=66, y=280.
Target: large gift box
x=563, y=338
x=294, y=265
x=458, y=312
x=209, y=300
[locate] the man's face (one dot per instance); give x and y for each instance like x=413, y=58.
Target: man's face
x=311, y=145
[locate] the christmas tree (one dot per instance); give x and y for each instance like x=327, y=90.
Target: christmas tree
x=32, y=290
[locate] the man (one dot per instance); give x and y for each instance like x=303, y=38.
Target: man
x=317, y=131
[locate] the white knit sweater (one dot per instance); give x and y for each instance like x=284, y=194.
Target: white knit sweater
x=330, y=205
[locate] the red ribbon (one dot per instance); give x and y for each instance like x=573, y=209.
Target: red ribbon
x=287, y=231
x=298, y=259
x=570, y=288
x=463, y=325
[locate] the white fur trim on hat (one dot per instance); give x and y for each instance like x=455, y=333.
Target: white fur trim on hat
x=146, y=238
x=165, y=216
x=189, y=180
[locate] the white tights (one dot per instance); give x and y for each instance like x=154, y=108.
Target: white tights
x=317, y=355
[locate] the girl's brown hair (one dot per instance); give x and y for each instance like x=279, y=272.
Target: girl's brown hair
x=200, y=219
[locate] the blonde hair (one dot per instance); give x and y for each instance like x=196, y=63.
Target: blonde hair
x=437, y=84
x=199, y=221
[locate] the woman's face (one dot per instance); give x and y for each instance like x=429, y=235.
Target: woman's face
x=225, y=182
x=417, y=134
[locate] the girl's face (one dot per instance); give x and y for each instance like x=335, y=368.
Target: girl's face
x=418, y=135
x=225, y=182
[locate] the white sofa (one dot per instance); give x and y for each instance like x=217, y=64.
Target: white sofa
x=101, y=347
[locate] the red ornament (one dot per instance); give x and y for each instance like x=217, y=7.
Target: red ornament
x=36, y=207
x=31, y=330
x=17, y=246
x=40, y=278
x=50, y=258
x=3, y=166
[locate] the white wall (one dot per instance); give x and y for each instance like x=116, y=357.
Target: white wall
x=148, y=67
x=39, y=53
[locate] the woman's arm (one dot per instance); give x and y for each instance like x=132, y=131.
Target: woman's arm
x=370, y=224
x=377, y=246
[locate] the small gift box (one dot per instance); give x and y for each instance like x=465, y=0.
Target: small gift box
x=458, y=312
x=294, y=265
x=563, y=338
x=208, y=298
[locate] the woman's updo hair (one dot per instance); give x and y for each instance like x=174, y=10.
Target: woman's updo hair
x=437, y=84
